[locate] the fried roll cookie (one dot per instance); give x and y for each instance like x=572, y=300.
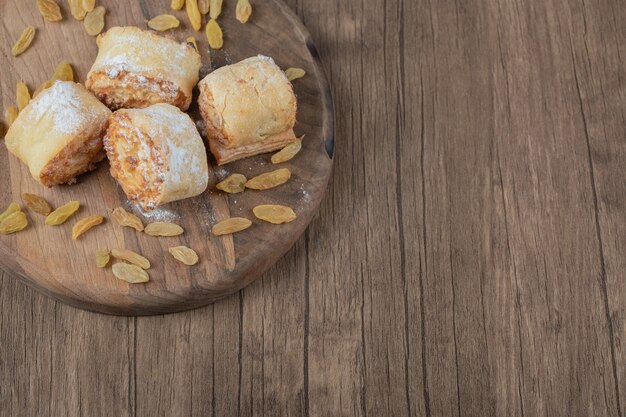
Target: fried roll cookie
x=248, y=108
x=59, y=134
x=137, y=68
x=156, y=155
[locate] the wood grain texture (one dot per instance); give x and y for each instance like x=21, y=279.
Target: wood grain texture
x=468, y=259
x=48, y=259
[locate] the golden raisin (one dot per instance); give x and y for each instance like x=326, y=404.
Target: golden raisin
x=13, y=223
x=88, y=5
x=232, y=225
x=13, y=208
x=195, y=18
x=102, y=258
x=60, y=215
x=132, y=257
x=163, y=22
x=63, y=72
x=191, y=40
x=130, y=273
x=214, y=34
x=124, y=218
x=234, y=184
x=184, y=254
x=46, y=84
x=163, y=229
x=243, y=11
x=294, y=73
x=50, y=10
x=288, y=152
x=85, y=224
x=269, y=179
x=24, y=41
x=22, y=95
x=177, y=4
x=203, y=6
x=10, y=114
x=275, y=214
x=37, y=204
x=94, y=21
x=215, y=8
x=77, y=9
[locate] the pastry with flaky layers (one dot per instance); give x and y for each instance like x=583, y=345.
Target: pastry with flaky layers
x=59, y=134
x=156, y=155
x=137, y=68
x=248, y=108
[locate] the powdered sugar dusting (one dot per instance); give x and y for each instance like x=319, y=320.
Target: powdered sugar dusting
x=159, y=214
x=201, y=129
x=62, y=104
x=265, y=58
x=204, y=214
x=304, y=194
x=171, y=123
x=121, y=58
x=221, y=172
x=127, y=62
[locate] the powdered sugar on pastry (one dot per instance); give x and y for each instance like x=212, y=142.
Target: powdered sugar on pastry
x=248, y=108
x=116, y=60
x=182, y=156
x=62, y=103
x=59, y=134
x=156, y=154
x=136, y=68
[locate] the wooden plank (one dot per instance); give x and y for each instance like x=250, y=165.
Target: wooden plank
x=565, y=355
x=187, y=363
x=465, y=198
x=273, y=367
x=469, y=324
x=56, y=360
x=335, y=327
x=214, y=360
x=598, y=48
x=413, y=126
x=385, y=304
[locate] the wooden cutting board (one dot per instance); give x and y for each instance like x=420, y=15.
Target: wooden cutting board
x=49, y=260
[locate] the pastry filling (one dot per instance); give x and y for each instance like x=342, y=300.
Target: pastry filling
x=137, y=163
x=122, y=89
x=78, y=157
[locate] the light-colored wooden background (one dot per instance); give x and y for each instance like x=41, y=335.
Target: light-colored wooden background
x=468, y=259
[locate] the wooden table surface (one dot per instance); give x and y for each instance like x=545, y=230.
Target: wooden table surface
x=469, y=257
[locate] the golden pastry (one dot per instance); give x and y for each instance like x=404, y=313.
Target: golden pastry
x=156, y=155
x=59, y=134
x=248, y=108
x=137, y=68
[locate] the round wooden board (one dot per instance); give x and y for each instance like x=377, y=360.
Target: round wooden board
x=49, y=260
